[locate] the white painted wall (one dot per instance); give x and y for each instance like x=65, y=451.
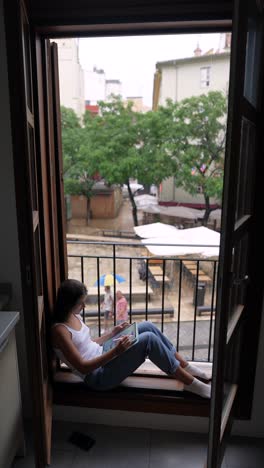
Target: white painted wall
x=189, y=83
x=9, y=249
x=168, y=85
x=113, y=87
x=71, y=76
x=182, y=80
x=164, y=422
x=252, y=428
x=98, y=88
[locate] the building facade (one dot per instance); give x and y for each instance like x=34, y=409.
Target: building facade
x=71, y=76
x=183, y=78
x=138, y=104
x=94, y=86
x=113, y=87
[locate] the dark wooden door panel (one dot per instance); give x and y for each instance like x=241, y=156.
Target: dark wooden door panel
x=235, y=265
x=30, y=228
x=58, y=162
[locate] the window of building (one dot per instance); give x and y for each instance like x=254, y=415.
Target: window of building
x=205, y=76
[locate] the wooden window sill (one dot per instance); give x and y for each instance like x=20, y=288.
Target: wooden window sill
x=142, y=393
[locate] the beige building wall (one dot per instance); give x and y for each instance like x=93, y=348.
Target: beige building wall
x=71, y=76
x=170, y=192
x=138, y=104
x=167, y=192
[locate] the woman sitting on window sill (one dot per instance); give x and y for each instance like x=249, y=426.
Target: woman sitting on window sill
x=102, y=371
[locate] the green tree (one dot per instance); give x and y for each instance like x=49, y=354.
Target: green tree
x=78, y=179
x=195, y=139
x=119, y=145
x=71, y=138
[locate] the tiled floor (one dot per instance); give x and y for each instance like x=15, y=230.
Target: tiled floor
x=119, y=447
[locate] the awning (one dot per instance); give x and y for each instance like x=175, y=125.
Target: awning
x=172, y=211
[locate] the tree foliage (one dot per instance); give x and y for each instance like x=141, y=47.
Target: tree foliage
x=78, y=180
x=71, y=138
x=117, y=145
x=184, y=139
x=195, y=139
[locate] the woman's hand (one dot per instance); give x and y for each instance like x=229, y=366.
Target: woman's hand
x=122, y=344
x=120, y=327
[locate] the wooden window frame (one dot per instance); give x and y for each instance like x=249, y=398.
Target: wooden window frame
x=75, y=395
x=178, y=18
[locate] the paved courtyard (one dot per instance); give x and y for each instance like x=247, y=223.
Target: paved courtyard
x=97, y=258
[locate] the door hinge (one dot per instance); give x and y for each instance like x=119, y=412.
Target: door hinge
x=243, y=280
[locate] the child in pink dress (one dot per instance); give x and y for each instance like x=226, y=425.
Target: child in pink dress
x=121, y=308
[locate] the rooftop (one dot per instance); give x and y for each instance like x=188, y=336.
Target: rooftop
x=207, y=57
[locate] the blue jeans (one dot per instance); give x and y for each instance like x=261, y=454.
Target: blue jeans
x=151, y=343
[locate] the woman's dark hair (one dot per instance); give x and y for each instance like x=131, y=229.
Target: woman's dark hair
x=68, y=296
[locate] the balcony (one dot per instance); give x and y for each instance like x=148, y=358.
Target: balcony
x=177, y=294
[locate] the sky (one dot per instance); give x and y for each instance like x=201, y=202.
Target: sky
x=132, y=59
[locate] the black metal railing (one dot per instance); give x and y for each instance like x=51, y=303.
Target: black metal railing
x=180, y=298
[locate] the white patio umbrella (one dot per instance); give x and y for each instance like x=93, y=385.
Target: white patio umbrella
x=155, y=230
x=199, y=240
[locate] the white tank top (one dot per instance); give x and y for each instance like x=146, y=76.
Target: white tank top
x=87, y=348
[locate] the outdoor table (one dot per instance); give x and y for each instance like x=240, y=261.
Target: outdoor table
x=204, y=278
x=191, y=268
x=154, y=261
x=159, y=279
x=189, y=263
x=156, y=270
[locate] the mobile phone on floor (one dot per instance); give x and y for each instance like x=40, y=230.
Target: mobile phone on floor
x=82, y=441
